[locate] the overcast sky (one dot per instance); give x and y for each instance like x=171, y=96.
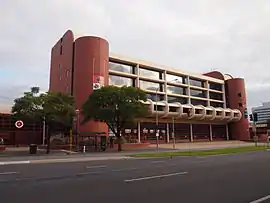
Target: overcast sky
x=232, y=36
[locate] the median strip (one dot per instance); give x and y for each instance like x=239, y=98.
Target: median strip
x=204, y=152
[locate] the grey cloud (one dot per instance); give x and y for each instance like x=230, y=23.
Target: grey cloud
x=198, y=36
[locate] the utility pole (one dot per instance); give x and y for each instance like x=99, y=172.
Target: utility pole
x=44, y=131
x=157, y=131
x=173, y=134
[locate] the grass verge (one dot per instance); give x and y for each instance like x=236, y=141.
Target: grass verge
x=204, y=152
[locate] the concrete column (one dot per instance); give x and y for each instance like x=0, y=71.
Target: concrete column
x=188, y=90
x=139, y=132
x=137, y=81
x=165, y=86
x=227, y=132
x=207, y=93
x=191, y=132
x=168, y=132
x=210, y=132
x=224, y=96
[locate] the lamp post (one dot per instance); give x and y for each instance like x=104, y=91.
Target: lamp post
x=173, y=132
x=77, y=128
x=44, y=131
x=157, y=131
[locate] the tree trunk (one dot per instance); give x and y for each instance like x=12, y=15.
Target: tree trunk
x=48, y=140
x=119, y=140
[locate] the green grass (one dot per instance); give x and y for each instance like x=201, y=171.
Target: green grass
x=204, y=152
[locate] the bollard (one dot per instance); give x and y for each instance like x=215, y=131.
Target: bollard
x=84, y=149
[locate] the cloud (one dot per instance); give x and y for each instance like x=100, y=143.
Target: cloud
x=198, y=36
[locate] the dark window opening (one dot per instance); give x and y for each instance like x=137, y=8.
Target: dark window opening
x=61, y=50
x=240, y=105
x=219, y=113
x=158, y=108
x=208, y=112
x=239, y=94
x=185, y=110
x=61, y=40
x=172, y=109
x=197, y=111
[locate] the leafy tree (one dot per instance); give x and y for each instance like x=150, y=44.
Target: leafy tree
x=55, y=108
x=115, y=106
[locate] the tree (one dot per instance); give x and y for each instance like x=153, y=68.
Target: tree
x=55, y=108
x=115, y=106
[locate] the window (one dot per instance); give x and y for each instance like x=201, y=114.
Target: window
x=196, y=82
x=216, y=96
x=197, y=93
x=121, y=67
x=215, y=86
x=121, y=81
x=240, y=105
x=216, y=104
x=150, y=73
x=61, y=50
x=177, y=99
x=176, y=78
x=144, y=85
x=153, y=97
x=198, y=102
x=67, y=73
x=176, y=90
x=239, y=94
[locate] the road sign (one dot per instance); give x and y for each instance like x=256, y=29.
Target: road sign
x=19, y=124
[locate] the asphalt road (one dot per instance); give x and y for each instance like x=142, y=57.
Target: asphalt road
x=239, y=178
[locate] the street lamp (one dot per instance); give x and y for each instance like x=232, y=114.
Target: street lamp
x=173, y=128
x=173, y=135
x=77, y=128
x=157, y=131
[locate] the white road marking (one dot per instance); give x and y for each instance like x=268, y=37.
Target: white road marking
x=101, y=166
x=127, y=169
x=88, y=173
x=155, y=177
x=261, y=199
x=156, y=162
x=8, y=173
x=14, y=162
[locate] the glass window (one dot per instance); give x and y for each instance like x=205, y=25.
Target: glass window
x=197, y=93
x=215, y=86
x=121, y=67
x=154, y=96
x=177, y=99
x=196, y=82
x=176, y=78
x=216, y=104
x=145, y=85
x=216, y=96
x=149, y=73
x=198, y=102
x=176, y=90
x=120, y=81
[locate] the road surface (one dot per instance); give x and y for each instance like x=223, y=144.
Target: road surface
x=238, y=178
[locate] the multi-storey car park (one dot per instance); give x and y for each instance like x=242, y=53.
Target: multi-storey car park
x=211, y=106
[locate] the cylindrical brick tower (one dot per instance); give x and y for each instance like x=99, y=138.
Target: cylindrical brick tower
x=236, y=99
x=91, y=59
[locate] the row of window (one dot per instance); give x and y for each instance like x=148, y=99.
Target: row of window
x=153, y=74
x=181, y=100
x=152, y=86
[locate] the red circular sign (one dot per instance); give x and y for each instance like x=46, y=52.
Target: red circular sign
x=19, y=124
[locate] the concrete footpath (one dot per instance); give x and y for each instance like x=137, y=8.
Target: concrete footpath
x=21, y=156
